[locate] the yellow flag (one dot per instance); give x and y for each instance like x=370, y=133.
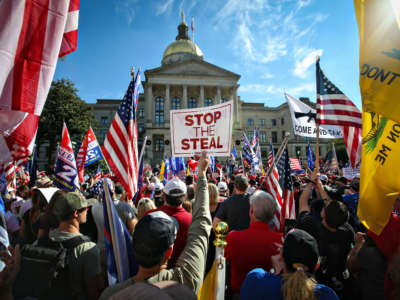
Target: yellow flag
x=379, y=31
x=162, y=171
x=207, y=289
x=379, y=170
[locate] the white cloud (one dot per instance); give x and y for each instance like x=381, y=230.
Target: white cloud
x=260, y=89
x=305, y=58
x=127, y=8
x=162, y=8
x=306, y=87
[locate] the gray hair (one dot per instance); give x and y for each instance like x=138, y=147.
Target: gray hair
x=264, y=206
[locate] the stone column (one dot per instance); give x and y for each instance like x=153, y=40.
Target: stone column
x=218, y=97
x=167, y=105
x=184, y=97
x=149, y=110
x=235, y=107
x=201, y=100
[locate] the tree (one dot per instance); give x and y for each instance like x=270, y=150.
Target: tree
x=63, y=104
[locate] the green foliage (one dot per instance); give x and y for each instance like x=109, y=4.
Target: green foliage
x=63, y=104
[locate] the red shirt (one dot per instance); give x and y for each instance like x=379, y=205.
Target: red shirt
x=250, y=248
x=184, y=219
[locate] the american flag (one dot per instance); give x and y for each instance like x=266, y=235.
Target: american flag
x=294, y=164
x=288, y=208
x=34, y=35
x=334, y=108
x=248, y=153
x=120, y=145
x=273, y=187
x=254, y=140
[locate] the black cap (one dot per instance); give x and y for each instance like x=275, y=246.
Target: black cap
x=153, y=235
x=300, y=248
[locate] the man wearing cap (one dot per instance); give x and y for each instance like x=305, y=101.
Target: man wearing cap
x=153, y=243
x=158, y=190
x=235, y=210
x=222, y=190
x=174, y=195
x=84, y=269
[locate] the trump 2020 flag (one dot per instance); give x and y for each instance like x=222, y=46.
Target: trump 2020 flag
x=88, y=153
x=66, y=174
x=310, y=158
x=121, y=262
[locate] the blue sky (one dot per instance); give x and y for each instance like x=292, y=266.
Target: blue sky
x=271, y=44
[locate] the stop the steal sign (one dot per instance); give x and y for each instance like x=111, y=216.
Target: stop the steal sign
x=202, y=129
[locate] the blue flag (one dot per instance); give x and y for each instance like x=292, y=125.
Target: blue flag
x=167, y=169
x=66, y=174
x=310, y=158
x=212, y=163
x=234, y=153
x=122, y=243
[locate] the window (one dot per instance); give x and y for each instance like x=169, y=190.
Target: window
x=274, y=136
x=273, y=122
x=192, y=103
x=103, y=120
x=208, y=102
x=141, y=113
x=223, y=100
x=263, y=136
x=282, y=121
x=262, y=122
x=159, y=111
x=159, y=145
x=140, y=127
x=176, y=103
x=250, y=122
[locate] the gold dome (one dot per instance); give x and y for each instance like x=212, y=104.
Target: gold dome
x=181, y=50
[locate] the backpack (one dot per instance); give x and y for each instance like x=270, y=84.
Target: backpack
x=44, y=270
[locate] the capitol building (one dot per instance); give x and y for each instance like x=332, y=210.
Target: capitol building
x=186, y=80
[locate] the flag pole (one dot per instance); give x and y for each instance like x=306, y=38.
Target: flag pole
x=220, y=243
x=317, y=137
x=110, y=222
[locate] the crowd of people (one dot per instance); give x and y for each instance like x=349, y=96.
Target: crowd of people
x=325, y=253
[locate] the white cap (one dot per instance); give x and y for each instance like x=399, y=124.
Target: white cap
x=175, y=184
x=222, y=186
x=158, y=186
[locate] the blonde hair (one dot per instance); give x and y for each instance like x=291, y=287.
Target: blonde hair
x=298, y=285
x=213, y=193
x=187, y=205
x=144, y=205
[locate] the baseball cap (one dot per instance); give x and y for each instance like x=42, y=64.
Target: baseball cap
x=323, y=177
x=158, y=187
x=153, y=235
x=241, y=182
x=176, y=185
x=69, y=202
x=300, y=247
x=222, y=186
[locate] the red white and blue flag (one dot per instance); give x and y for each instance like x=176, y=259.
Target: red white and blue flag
x=33, y=34
x=66, y=174
x=88, y=153
x=334, y=108
x=120, y=145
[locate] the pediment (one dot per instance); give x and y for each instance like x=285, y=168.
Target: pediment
x=192, y=68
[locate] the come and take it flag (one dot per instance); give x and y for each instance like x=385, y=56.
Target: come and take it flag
x=379, y=31
x=121, y=262
x=120, y=144
x=33, y=34
x=66, y=174
x=334, y=108
x=379, y=177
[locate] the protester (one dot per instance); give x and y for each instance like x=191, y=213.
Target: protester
x=223, y=191
x=144, y=205
x=263, y=242
x=235, y=210
x=297, y=261
x=153, y=241
x=157, y=197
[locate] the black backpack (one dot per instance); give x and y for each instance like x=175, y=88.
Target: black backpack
x=44, y=270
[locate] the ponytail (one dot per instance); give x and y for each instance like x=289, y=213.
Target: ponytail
x=298, y=285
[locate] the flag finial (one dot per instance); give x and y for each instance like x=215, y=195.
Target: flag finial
x=133, y=72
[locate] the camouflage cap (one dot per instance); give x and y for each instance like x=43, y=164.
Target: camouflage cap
x=70, y=202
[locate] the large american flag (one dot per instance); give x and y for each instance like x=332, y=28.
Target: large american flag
x=288, y=207
x=295, y=164
x=273, y=187
x=32, y=37
x=120, y=145
x=334, y=108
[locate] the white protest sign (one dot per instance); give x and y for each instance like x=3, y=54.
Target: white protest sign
x=303, y=117
x=202, y=129
x=350, y=173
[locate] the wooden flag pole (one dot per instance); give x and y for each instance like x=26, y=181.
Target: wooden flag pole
x=317, y=125
x=111, y=224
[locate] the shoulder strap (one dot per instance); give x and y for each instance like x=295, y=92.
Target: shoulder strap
x=75, y=241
